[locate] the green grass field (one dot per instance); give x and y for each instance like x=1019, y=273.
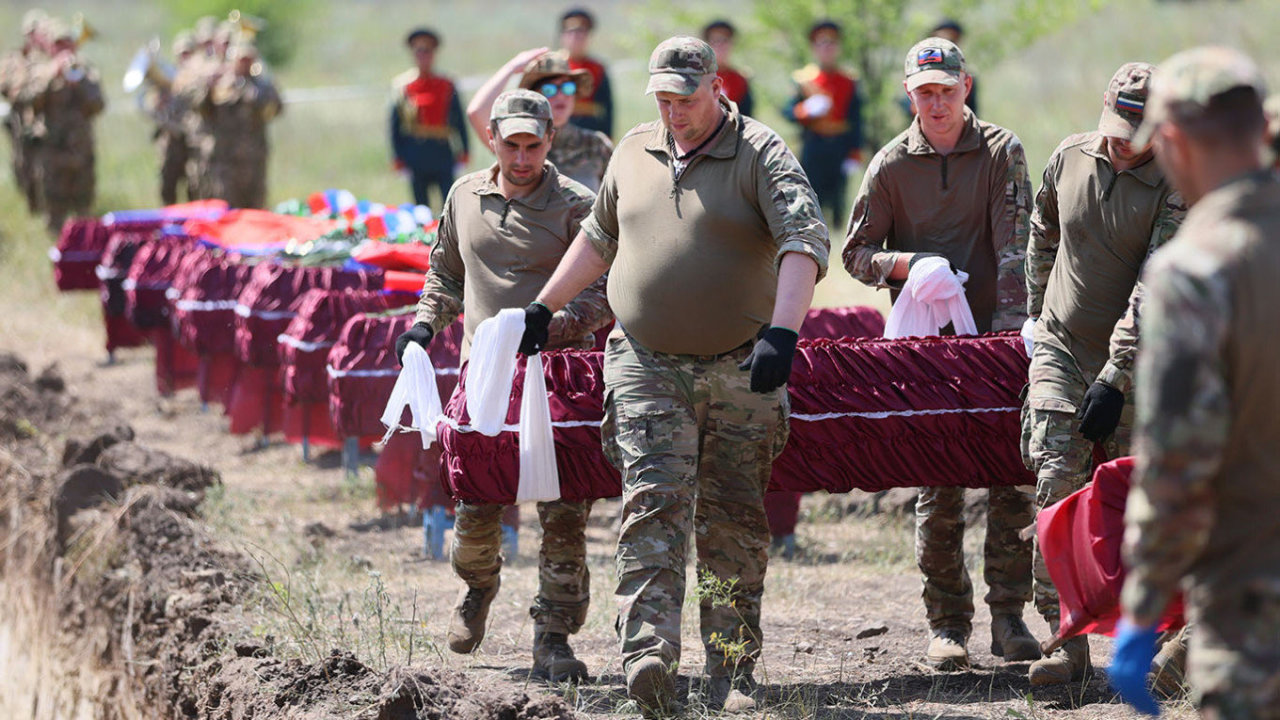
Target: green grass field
x=1044, y=92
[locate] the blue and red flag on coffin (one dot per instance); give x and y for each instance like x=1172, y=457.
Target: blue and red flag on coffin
x=928, y=56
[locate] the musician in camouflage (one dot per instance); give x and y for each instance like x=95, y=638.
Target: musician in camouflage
x=1103, y=208
x=1204, y=510
x=239, y=104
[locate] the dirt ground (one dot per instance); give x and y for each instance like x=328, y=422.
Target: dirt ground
x=844, y=627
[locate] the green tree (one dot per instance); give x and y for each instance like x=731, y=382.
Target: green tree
x=877, y=34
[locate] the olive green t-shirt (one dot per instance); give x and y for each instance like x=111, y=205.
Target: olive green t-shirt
x=694, y=247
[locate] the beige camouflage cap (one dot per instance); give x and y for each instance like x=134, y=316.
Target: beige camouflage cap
x=678, y=65
x=1125, y=100
x=555, y=64
x=205, y=28
x=1196, y=76
x=32, y=20
x=521, y=111
x=933, y=60
x=184, y=41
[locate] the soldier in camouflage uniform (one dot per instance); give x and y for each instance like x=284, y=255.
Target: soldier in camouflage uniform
x=502, y=232
x=191, y=84
x=1204, y=509
x=1103, y=208
x=170, y=111
x=237, y=107
x=711, y=229
x=578, y=153
x=956, y=187
x=16, y=73
x=65, y=96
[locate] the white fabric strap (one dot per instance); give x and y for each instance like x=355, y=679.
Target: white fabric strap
x=303, y=345
x=932, y=298
x=204, y=305
x=492, y=370
x=245, y=311
x=415, y=389
x=385, y=372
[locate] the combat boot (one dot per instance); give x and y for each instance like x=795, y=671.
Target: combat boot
x=1068, y=663
x=466, y=627
x=1168, y=668
x=732, y=694
x=947, y=651
x=650, y=685
x=1011, y=640
x=553, y=659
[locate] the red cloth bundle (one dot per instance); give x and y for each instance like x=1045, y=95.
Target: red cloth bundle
x=394, y=256
x=76, y=256
x=149, y=277
x=840, y=322
x=257, y=231
x=203, y=298
x=123, y=244
x=1081, y=538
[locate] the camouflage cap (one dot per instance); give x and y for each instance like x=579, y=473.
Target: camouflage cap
x=555, y=64
x=678, y=65
x=1125, y=99
x=205, y=28
x=56, y=30
x=33, y=20
x=241, y=48
x=933, y=60
x=521, y=111
x=184, y=42
x=1196, y=76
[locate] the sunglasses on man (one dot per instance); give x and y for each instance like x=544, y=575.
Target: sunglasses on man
x=549, y=89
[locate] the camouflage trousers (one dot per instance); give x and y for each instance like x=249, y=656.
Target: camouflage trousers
x=948, y=592
x=1233, y=657
x=564, y=582
x=696, y=448
x=66, y=185
x=1060, y=457
x=172, y=148
x=241, y=182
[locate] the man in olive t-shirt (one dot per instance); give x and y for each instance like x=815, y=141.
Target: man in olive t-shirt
x=713, y=240
x=502, y=233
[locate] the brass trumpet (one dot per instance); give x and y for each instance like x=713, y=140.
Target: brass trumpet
x=146, y=67
x=249, y=25
x=82, y=30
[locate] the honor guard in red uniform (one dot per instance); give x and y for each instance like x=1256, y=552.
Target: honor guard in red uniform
x=428, y=130
x=720, y=35
x=594, y=109
x=827, y=107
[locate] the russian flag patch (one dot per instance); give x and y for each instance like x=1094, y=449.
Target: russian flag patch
x=1129, y=104
x=928, y=56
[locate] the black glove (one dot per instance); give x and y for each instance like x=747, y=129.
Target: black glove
x=537, y=321
x=770, y=360
x=922, y=255
x=420, y=333
x=1100, y=412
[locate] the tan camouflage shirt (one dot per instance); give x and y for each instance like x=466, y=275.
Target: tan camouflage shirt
x=581, y=155
x=1091, y=232
x=1206, y=491
x=694, y=255
x=237, y=110
x=972, y=206
x=492, y=253
x=64, y=108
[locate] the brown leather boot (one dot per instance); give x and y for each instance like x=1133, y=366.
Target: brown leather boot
x=1068, y=663
x=553, y=659
x=1011, y=640
x=947, y=650
x=466, y=627
x=650, y=685
x=1168, y=668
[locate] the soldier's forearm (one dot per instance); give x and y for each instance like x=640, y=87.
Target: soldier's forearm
x=797, y=275
x=580, y=267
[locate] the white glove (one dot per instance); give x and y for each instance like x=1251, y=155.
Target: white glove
x=817, y=106
x=1028, y=332
x=850, y=167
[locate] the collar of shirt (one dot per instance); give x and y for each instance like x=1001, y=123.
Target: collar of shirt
x=1148, y=172
x=724, y=146
x=537, y=199
x=970, y=137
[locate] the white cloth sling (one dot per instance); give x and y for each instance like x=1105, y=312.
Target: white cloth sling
x=932, y=297
x=416, y=389
x=490, y=373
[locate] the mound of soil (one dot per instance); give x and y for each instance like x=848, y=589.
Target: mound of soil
x=103, y=534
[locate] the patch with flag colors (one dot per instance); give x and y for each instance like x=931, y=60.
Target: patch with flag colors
x=928, y=56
